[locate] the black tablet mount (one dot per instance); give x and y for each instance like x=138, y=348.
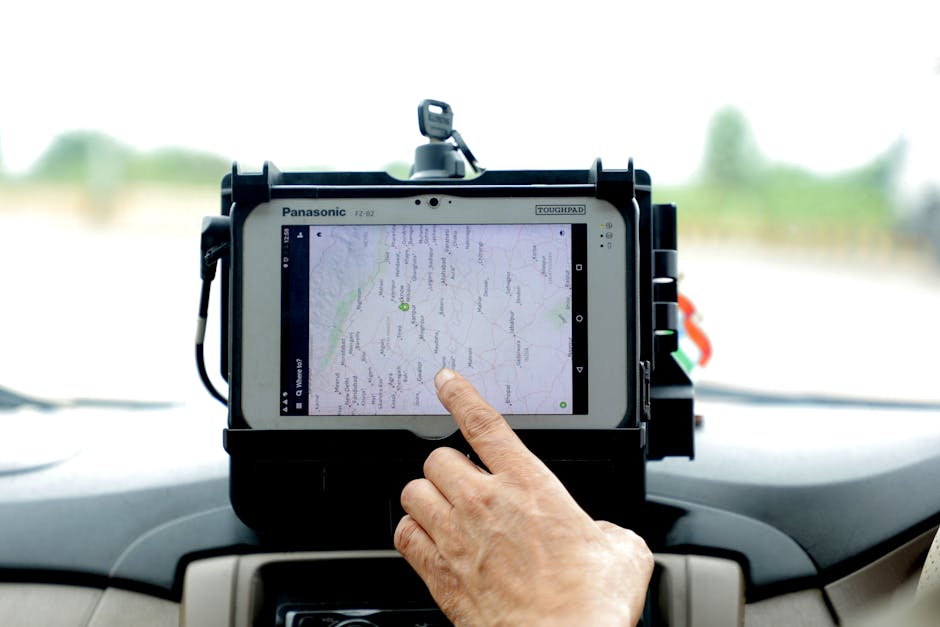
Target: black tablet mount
x=340, y=489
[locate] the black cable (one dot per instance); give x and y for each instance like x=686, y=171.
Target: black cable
x=200, y=338
x=214, y=244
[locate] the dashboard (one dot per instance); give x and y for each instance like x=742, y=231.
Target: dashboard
x=787, y=503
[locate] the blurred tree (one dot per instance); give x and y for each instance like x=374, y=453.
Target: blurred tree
x=399, y=169
x=739, y=193
x=94, y=161
x=179, y=166
x=102, y=167
x=87, y=157
x=882, y=172
x=731, y=155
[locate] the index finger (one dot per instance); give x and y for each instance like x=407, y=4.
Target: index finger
x=484, y=428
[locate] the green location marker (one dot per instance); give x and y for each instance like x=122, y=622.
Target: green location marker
x=563, y=404
x=404, y=306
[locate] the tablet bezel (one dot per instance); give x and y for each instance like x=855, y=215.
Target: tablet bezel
x=611, y=367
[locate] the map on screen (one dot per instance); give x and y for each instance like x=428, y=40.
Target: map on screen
x=391, y=304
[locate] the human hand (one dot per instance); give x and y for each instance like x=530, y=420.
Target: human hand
x=511, y=546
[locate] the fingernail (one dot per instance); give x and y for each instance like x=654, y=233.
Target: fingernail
x=443, y=376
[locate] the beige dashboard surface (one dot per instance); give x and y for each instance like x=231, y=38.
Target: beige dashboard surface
x=47, y=605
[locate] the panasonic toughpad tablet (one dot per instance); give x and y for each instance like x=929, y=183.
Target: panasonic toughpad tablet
x=349, y=306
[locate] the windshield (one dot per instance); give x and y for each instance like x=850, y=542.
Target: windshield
x=800, y=143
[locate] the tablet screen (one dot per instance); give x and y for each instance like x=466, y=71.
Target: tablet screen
x=369, y=313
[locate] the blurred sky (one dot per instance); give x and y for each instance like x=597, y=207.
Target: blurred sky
x=534, y=84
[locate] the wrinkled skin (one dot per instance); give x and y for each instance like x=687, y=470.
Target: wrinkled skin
x=510, y=546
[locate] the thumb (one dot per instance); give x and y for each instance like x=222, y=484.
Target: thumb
x=629, y=545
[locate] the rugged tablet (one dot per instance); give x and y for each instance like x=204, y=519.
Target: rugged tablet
x=350, y=305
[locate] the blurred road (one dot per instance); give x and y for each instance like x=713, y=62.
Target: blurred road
x=810, y=322
x=91, y=312
x=96, y=313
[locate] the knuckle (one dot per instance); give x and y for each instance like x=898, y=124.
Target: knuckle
x=435, y=458
x=404, y=534
x=409, y=492
x=454, y=390
x=647, y=561
x=479, y=500
x=643, y=549
x=635, y=539
x=480, y=420
x=606, y=526
x=535, y=473
x=452, y=547
x=434, y=519
x=638, y=548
